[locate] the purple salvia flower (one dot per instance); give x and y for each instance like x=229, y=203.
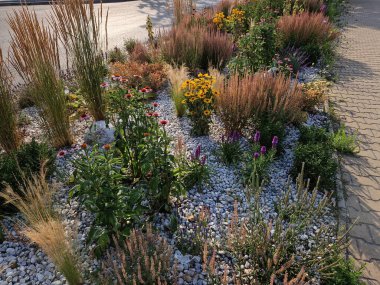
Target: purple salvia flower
x=256, y=155
x=263, y=150
x=275, y=141
x=256, y=137
x=197, y=152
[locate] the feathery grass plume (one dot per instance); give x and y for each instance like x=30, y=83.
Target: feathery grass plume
x=42, y=225
x=256, y=96
x=79, y=25
x=9, y=134
x=176, y=76
x=143, y=258
x=196, y=46
x=182, y=8
x=312, y=32
x=35, y=56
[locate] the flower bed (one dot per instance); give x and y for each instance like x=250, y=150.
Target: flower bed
x=214, y=178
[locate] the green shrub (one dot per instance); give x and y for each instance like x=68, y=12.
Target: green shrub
x=129, y=45
x=319, y=164
x=256, y=49
x=100, y=185
x=230, y=151
x=344, y=142
x=314, y=134
x=25, y=161
x=345, y=273
x=116, y=55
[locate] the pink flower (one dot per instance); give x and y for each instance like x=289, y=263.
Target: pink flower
x=61, y=153
x=104, y=85
x=128, y=96
x=84, y=117
x=149, y=114
x=164, y=122
x=155, y=114
x=155, y=104
x=116, y=77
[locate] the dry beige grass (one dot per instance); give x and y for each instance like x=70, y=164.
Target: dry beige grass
x=34, y=54
x=176, y=76
x=9, y=134
x=42, y=226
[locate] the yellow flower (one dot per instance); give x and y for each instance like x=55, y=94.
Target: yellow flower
x=187, y=94
x=193, y=99
x=207, y=112
x=201, y=95
x=183, y=101
x=216, y=93
x=207, y=100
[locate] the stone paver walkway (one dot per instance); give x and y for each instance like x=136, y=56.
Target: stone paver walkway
x=357, y=98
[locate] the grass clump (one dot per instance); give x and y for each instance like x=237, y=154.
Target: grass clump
x=35, y=56
x=79, y=27
x=9, y=134
x=43, y=226
x=176, y=76
x=344, y=142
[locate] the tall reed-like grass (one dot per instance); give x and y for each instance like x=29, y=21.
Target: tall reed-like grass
x=79, y=27
x=35, y=56
x=196, y=46
x=256, y=96
x=42, y=225
x=176, y=76
x=9, y=134
x=182, y=8
x=310, y=31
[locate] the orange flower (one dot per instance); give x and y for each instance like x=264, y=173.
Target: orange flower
x=83, y=146
x=107, y=146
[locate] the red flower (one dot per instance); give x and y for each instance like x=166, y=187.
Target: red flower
x=143, y=90
x=61, y=153
x=164, y=122
x=128, y=96
x=83, y=146
x=107, y=146
x=104, y=85
x=155, y=114
x=84, y=117
x=155, y=104
x=149, y=114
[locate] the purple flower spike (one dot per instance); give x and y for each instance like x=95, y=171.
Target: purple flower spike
x=197, y=152
x=275, y=141
x=203, y=160
x=256, y=155
x=256, y=137
x=263, y=150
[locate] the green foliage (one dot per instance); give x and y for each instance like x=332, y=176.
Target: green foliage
x=344, y=142
x=268, y=130
x=315, y=135
x=230, y=151
x=129, y=45
x=100, y=185
x=319, y=164
x=345, y=273
x=116, y=55
x=143, y=142
x=256, y=48
x=21, y=164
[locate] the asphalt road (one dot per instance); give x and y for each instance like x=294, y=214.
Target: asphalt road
x=126, y=19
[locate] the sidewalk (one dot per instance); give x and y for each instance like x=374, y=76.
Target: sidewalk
x=357, y=98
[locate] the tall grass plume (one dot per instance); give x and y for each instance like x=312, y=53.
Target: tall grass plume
x=176, y=76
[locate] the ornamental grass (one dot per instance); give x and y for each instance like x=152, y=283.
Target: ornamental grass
x=9, y=134
x=310, y=31
x=249, y=98
x=35, y=56
x=176, y=76
x=196, y=46
x=42, y=225
x=79, y=25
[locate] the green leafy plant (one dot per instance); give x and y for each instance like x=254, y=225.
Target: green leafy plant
x=99, y=179
x=35, y=56
x=230, y=151
x=143, y=142
x=9, y=134
x=320, y=166
x=116, y=55
x=79, y=26
x=25, y=162
x=256, y=49
x=315, y=135
x=345, y=273
x=129, y=45
x=344, y=142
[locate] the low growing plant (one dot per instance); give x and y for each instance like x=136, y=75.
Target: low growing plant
x=344, y=142
x=230, y=151
x=314, y=94
x=199, y=101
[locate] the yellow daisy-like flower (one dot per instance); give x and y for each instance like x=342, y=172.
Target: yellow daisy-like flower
x=187, y=94
x=207, y=100
x=183, y=101
x=216, y=93
x=201, y=95
x=207, y=112
x=193, y=99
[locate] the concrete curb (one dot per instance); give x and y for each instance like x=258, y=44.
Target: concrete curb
x=343, y=214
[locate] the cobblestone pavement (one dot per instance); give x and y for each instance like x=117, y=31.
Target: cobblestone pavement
x=357, y=98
